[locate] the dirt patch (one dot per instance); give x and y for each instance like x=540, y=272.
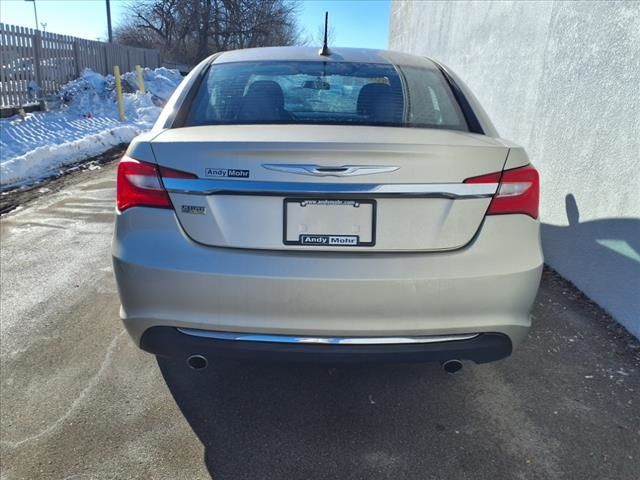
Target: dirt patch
x=74, y=173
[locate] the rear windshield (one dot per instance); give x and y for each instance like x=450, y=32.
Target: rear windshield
x=325, y=93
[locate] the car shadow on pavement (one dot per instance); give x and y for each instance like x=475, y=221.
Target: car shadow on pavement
x=276, y=421
x=601, y=257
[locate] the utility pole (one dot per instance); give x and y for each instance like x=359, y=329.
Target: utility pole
x=108, y=20
x=35, y=12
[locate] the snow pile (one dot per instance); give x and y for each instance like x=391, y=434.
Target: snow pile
x=87, y=124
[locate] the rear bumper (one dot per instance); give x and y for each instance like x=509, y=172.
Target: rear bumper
x=172, y=343
x=165, y=279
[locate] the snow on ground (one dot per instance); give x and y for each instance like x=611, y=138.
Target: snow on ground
x=87, y=124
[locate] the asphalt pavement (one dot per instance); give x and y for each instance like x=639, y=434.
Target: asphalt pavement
x=79, y=401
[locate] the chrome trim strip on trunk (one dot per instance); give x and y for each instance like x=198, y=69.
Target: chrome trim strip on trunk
x=259, y=337
x=203, y=186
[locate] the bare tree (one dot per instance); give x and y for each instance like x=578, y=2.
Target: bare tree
x=189, y=30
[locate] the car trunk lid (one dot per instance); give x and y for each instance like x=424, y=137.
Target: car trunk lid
x=329, y=187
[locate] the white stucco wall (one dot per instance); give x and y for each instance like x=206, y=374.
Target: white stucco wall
x=562, y=79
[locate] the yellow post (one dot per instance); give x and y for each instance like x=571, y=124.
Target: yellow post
x=140, y=79
x=116, y=74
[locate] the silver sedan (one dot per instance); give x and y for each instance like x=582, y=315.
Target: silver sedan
x=356, y=205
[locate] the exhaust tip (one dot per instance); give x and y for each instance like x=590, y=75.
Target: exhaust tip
x=197, y=362
x=452, y=366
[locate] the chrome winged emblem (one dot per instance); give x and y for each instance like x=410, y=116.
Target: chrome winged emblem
x=329, y=171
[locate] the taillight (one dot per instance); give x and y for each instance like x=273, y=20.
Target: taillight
x=139, y=184
x=518, y=192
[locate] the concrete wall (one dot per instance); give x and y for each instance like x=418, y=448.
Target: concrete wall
x=562, y=79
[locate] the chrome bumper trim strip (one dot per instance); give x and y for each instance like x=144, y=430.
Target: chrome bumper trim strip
x=259, y=337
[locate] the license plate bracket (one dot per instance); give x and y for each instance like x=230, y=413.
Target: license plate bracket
x=329, y=222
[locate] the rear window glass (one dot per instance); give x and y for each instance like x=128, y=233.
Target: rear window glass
x=326, y=93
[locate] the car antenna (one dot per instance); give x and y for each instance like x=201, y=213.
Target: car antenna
x=324, y=51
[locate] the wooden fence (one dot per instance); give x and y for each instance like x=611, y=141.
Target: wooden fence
x=35, y=64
